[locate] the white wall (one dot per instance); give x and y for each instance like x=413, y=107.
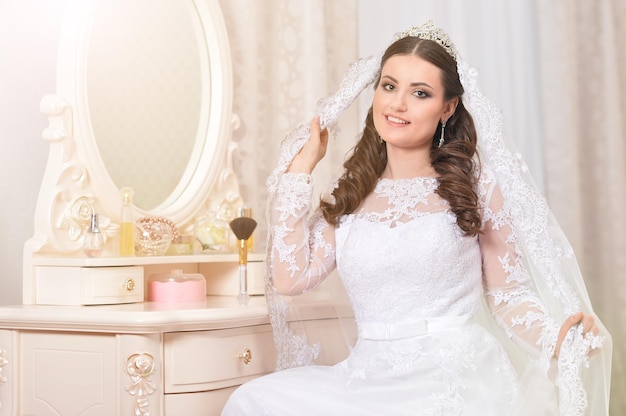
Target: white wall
x=29, y=32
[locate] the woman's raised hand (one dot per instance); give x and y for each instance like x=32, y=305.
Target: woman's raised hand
x=313, y=150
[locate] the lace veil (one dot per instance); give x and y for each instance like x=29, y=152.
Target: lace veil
x=580, y=383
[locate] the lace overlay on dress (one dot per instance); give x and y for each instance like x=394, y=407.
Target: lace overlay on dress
x=401, y=256
x=408, y=213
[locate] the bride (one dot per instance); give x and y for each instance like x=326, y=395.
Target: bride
x=466, y=297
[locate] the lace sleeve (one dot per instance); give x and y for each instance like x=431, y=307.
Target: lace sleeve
x=302, y=246
x=510, y=293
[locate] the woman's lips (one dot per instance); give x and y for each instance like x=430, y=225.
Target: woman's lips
x=396, y=120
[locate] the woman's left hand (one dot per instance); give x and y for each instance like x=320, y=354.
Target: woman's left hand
x=587, y=322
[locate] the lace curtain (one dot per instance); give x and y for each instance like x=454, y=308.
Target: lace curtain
x=286, y=55
x=583, y=68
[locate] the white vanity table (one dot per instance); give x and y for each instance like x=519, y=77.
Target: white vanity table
x=139, y=358
x=144, y=358
x=134, y=359
x=84, y=342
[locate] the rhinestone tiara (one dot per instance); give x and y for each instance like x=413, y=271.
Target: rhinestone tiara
x=429, y=31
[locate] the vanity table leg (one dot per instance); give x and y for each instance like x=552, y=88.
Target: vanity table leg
x=141, y=375
x=9, y=401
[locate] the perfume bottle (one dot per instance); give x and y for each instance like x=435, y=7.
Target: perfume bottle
x=93, y=243
x=127, y=223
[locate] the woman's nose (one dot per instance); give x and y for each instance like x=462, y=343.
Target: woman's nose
x=398, y=103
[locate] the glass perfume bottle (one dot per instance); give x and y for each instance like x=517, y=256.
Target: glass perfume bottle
x=93, y=243
x=127, y=223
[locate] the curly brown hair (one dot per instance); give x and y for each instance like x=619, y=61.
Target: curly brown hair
x=454, y=162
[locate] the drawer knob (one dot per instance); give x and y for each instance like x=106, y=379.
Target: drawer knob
x=129, y=285
x=246, y=356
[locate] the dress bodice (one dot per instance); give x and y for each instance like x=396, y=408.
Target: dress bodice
x=402, y=256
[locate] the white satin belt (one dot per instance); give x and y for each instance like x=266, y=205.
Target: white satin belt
x=380, y=331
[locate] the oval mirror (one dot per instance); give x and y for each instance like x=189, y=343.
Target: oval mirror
x=144, y=94
x=150, y=84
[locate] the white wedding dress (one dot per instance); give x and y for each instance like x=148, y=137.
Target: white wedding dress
x=447, y=324
x=416, y=284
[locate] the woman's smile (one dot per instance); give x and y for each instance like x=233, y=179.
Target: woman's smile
x=396, y=120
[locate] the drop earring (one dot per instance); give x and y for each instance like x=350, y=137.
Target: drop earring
x=442, y=139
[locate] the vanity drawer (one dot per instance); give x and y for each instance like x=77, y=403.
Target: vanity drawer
x=59, y=285
x=205, y=403
x=207, y=360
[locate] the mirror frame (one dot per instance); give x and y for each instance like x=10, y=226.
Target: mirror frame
x=76, y=181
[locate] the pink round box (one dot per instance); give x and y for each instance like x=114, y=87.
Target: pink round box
x=176, y=287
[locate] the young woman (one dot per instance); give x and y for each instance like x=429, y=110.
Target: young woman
x=428, y=245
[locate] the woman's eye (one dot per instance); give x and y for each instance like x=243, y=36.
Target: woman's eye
x=388, y=87
x=420, y=94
